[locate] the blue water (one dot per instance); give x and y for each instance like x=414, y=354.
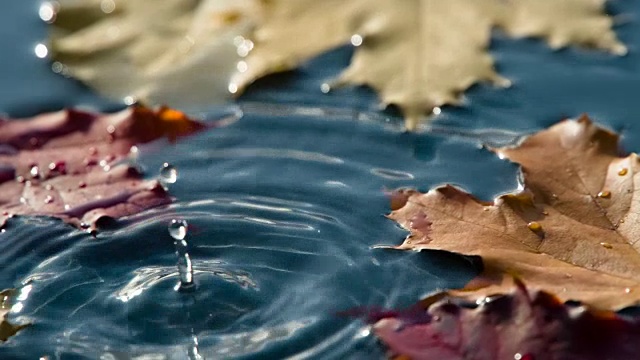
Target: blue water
x=284, y=205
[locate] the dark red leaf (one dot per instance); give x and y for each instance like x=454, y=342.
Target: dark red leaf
x=60, y=164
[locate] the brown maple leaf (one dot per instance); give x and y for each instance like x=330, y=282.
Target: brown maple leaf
x=60, y=164
x=573, y=230
x=521, y=325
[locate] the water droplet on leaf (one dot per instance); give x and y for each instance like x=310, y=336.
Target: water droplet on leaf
x=534, y=226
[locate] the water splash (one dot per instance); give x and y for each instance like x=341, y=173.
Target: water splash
x=178, y=231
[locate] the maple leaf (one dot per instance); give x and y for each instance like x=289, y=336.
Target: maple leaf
x=573, y=229
x=59, y=164
x=6, y=328
x=519, y=325
x=178, y=52
x=417, y=54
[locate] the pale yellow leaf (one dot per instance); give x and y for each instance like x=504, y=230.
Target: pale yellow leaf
x=418, y=54
x=177, y=52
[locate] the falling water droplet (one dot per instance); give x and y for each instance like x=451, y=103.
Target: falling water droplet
x=604, y=194
x=178, y=231
x=168, y=174
x=623, y=172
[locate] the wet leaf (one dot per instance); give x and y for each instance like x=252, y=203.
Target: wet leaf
x=6, y=328
x=65, y=164
x=177, y=52
x=519, y=325
x=573, y=230
x=417, y=54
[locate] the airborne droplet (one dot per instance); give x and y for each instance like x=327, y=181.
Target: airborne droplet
x=178, y=231
x=168, y=174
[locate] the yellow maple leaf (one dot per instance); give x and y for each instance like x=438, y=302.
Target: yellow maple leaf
x=417, y=54
x=178, y=52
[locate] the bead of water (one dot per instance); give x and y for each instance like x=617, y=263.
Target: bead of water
x=178, y=231
x=168, y=174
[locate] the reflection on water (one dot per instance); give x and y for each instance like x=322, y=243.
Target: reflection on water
x=284, y=201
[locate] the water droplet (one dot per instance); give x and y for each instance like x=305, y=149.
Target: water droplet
x=356, y=40
x=48, y=187
x=47, y=12
x=41, y=50
x=111, y=129
x=57, y=67
x=178, y=229
x=233, y=88
x=48, y=199
x=534, y=226
x=242, y=66
x=606, y=245
x=20, y=179
x=34, y=172
x=325, y=88
x=129, y=100
x=107, y=6
x=168, y=174
x=623, y=172
x=627, y=290
x=544, y=212
x=436, y=110
x=604, y=194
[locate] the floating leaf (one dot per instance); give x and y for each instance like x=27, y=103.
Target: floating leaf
x=59, y=164
x=6, y=328
x=178, y=52
x=573, y=230
x=417, y=54
x=519, y=325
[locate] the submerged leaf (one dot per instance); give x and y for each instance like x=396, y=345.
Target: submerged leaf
x=177, y=52
x=7, y=329
x=417, y=54
x=573, y=230
x=519, y=325
x=59, y=164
